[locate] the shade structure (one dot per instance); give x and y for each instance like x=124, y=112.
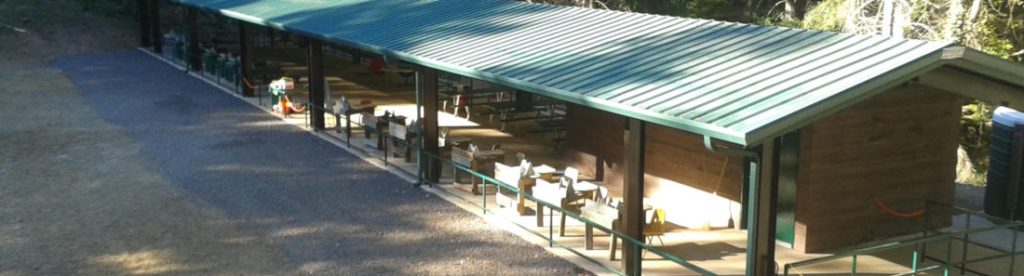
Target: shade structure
x=733, y=82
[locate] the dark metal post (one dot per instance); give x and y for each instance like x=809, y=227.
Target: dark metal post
x=633, y=195
x=192, y=17
x=142, y=10
x=245, y=58
x=155, y=32
x=428, y=92
x=315, y=65
x=419, y=136
x=762, y=210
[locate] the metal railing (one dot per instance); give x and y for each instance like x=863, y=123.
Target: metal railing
x=636, y=245
x=931, y=234
x=214, y=69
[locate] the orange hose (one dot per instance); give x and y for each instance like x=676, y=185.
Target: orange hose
x=894, y=213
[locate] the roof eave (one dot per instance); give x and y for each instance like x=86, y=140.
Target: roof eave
x=846, y=99
x=992, y=67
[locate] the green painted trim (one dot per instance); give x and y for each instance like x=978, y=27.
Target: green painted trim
x=789, y=163
x=750, y=203
x=999, y=69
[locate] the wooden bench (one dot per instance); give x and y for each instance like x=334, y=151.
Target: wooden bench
x=512, y=176
x=476, y=161
x=603, y=215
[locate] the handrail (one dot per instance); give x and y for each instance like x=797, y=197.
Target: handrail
x=529, y=196
x=892, y=245
x=910, y=242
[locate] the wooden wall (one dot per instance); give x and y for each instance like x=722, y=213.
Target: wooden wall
x=899, y=146
x=681, y=175
x=594, y=138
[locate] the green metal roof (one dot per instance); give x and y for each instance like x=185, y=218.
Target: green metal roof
x=733, y=82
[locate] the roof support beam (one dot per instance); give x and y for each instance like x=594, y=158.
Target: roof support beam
x=192, y=54
x=974, y=87
x=315, y=67
x=426, y=91
x=633, y=196
x=142, y=10
x=245, y=58
x=155, y=32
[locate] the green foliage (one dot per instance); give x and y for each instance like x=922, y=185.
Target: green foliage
x=828, y=15
x=975, y=130
x=666, y=7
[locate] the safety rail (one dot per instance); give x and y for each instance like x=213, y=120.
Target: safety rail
x=920, y=245
x=217, y=70
x=635, y=244
x=310, y=107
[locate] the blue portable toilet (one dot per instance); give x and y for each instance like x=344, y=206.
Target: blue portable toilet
x=1006, y=149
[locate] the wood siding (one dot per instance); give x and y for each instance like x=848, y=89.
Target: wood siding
x=899, y=146
x=681, y=175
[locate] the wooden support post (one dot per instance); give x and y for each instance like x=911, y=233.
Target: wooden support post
x=192, y=17
x=633, y=195
x=428, y=94
x=142, y=10
x=315, y=65
x=524, y=101
x=245, y=58
x=762, y=210
x=155, y=32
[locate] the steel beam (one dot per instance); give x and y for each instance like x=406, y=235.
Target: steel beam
x=154, y=26
x=245, y=58
x=633, y=196
x=192, y=17
x=315, y=65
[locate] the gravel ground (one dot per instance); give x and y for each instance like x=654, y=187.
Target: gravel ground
x=78, y=196
x=320, y=209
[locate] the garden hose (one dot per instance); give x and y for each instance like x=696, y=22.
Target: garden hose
x=894, y=213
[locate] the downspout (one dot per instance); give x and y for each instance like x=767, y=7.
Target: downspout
x=753, y=156
x=709, y=144
x=751, y=202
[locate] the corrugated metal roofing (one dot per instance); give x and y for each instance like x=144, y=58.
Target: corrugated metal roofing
x=734, y=82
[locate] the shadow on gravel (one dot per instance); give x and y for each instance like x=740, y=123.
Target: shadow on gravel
x=327, y=210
